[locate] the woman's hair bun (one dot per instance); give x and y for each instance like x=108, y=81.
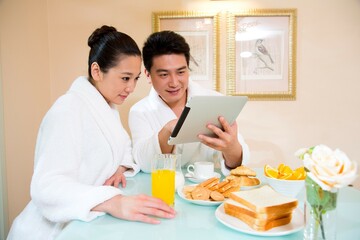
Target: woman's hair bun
x=99, y=33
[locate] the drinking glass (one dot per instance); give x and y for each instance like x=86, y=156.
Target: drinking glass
x=163, y=167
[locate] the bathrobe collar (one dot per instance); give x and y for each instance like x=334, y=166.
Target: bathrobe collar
x=106, y=115
x=167, y=113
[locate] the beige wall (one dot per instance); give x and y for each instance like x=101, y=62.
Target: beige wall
x=43, y=48
x=26, y=90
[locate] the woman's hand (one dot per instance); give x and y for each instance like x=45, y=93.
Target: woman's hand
x=117, y=178
x=136, y=208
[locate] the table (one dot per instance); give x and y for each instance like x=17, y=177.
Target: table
x=198, y=222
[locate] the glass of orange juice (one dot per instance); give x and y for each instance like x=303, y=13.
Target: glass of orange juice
x=163, y=167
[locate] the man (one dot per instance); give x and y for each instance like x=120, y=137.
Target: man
x=166, y=58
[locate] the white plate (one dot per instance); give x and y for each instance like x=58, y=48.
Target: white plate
x=199, y=180
x=296, y=224
x=198, y=202
x=245, y=188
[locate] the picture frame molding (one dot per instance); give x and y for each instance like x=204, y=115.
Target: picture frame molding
x=163, y=15
x=231, y=67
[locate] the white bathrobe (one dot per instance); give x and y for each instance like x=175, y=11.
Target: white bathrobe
x=80, y=144
x=148, y=116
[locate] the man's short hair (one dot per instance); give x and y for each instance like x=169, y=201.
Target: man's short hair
x=163, y=43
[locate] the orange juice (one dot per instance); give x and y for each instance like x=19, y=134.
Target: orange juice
x=163, y=185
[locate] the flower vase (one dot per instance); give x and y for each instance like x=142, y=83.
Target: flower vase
x=320, y=212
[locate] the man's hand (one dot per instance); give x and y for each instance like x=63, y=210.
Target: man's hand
x=227, y=142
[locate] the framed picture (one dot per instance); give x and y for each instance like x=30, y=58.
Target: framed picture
x=261, y=54
x=200, y=30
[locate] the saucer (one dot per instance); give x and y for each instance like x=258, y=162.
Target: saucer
x=191, y=177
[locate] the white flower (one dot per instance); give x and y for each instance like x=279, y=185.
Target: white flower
x=300, y=153
x=330, y=169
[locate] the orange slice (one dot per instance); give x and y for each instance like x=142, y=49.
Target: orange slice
x=288, y=176
x=300, y=173
x=270, y=172
x=280, y=167
x=300, y=169
x=286, y=170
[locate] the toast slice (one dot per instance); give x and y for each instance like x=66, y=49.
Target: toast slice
x=265, y=200
x=259, y=224
x=238, y=208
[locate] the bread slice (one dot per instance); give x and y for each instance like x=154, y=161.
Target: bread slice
x=264, y=200
x=238, y=208
x=228, y=185
x=230, y=190
x=210, y=182
x=248, y=181
x=243, y=171
x=259, y=224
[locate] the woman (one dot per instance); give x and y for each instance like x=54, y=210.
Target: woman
x=83, y=152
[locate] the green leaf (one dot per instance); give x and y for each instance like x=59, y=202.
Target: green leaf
x=318, y=198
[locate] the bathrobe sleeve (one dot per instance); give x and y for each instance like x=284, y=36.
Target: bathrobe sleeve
x=58, y=189
x=128, y=162
x=145, y=139
x=127, y=159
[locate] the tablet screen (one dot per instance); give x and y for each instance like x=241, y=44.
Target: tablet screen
x=202, y=110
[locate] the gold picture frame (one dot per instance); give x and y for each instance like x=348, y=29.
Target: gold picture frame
x=201, y=31
x=261, y=54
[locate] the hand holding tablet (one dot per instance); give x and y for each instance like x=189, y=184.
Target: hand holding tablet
x=202, y=110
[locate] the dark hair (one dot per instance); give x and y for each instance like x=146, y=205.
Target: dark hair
x=107, y=45
x=165, y=42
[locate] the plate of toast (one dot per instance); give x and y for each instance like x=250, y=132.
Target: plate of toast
x=213, y=191
x=252, y=213
x=200, y=195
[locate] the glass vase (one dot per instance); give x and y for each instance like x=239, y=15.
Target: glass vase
x=320, y=212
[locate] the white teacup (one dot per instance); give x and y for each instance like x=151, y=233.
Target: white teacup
x=201, y=170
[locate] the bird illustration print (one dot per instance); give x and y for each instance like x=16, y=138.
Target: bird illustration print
x=263, y=55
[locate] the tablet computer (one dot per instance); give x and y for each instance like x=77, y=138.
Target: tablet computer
x=202, y=110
